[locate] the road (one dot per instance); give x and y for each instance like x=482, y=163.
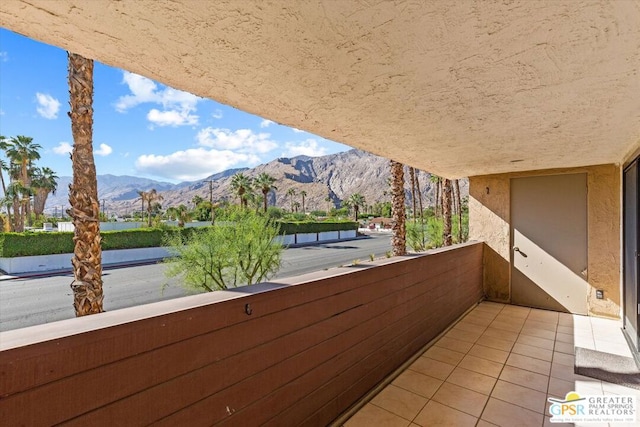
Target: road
x=37, y=300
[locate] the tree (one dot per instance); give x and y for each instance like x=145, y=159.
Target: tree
x=181, y=213
x=329, y=203
x=83, y=192
x=446, y=212
x=356, y=201
x=303, y=194
x=456, y=185
x=22, y=151
x=45, y=181
x=152, y=196
x=438, y=200
x=241, y=185
x=143, y=198
x=291, y=193
x=296, y=206
x=264, y=182
x=230, y=255
x=422, y=234
x=399, y=239
x=412, y=174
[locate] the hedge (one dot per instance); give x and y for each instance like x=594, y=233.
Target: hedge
x=30, y=244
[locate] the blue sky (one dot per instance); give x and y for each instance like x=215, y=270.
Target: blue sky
x=141, y=127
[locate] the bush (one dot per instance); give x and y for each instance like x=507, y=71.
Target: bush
x=315, y=227
x=274, y=212
x=226, y=256
x=417, y=236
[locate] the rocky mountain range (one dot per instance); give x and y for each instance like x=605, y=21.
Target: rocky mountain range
x=335, y=176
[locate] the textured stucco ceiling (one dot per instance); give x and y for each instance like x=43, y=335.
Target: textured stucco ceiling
x=453, y=87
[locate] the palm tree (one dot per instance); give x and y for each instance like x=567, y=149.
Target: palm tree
x=45, y=181
x=438, y=200
x=399, y=239
x=241, y=185
x=83, y=192
x=143, y=198
x=303, y=194
x=421, y=209
x=412, y=174
x=356, y=201
x=264, y=183
x=456, y=184
x=446, y=212
x=3, y=167
x=328, y=200
x=22, y=151
x=152, y=196
x=291, y=193
x=296, y=206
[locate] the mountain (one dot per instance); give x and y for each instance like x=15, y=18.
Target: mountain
x=335, y=176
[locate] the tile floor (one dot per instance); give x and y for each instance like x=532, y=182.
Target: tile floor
x=497, y=366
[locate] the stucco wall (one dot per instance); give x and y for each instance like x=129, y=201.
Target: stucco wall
x=489, y=220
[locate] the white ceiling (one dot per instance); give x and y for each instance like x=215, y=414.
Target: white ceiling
x=458, y=88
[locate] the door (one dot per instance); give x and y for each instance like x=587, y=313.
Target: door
x=630, y=266
x=549, y=242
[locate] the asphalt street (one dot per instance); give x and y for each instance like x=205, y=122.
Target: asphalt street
x=29, y=301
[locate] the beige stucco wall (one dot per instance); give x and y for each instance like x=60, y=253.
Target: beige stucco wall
x=489, y=220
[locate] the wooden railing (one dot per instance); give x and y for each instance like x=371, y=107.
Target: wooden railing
x=297, y=352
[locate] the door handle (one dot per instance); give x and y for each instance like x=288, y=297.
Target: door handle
x=517, y=249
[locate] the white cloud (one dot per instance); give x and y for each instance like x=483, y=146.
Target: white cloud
x=172, y=118
x=297, y=130
x=4, y=56
x=217, y=114
x=177, y=106
x=308, y=147
x=48, y=106
x=265, y=123
x=103, y=150
x=193, y=164
x=241, y=140
x=63, y=148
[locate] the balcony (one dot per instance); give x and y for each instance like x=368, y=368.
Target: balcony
x=497, y=366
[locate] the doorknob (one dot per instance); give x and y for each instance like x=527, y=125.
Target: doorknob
x=516, y=249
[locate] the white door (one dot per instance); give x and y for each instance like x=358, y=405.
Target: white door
x=549, y=242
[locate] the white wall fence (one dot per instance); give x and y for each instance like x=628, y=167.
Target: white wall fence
x=43, y=263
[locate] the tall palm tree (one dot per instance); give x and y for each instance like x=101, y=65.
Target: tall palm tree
x=4, y=166
x=303, y=194
x=412, y=174
x=264, y=183
x=291, y=193
x=421, y=209
x=296, y=206
x=456, y=185
x=241, y=185
x=83, y=192
x=152, y=196
x=144, y=196
x=328, y=200
x=399, y=239
x=356, y=201
x=45, y=181
x=22, y=151
x=435, y=179
x=446, y=212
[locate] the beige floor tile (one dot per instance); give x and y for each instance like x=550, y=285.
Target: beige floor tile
x=470, y=326
x=535, y=342
x=536, y=324
x=418, y=383
x=506, y=414
x=544, y=316
x=525, y=378
x=508, y=318
x=505, y=325
x=489, y=353
x=480, y=319
x=431, y=367
x=454, y=344
x=565, y=372
x=516, y=311
x=564, y=359
x=460, y=398
x=529, y=363
x=482, y=366
x=563, y=347
x=521, y=396
x=400, y=401
x=565, y=319
x=483, y=423
x=482, y=313
x=559, y=388
x=444, y=355
x=494, y=342
x=371, y=415
x=539, y=333
x=437, y=414
x=501, y=334
x=472, y=380
x=463, y=335
x=564, y=338
x=568, y=330
x=535, y=352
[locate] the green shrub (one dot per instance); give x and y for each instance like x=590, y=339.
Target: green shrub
x=291, y=227
x=417, y=237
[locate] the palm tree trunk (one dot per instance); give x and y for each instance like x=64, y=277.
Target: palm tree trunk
x=446, y=212
x=421, y=210
x=399, y=239
x=412, y=173
x=83, y=192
